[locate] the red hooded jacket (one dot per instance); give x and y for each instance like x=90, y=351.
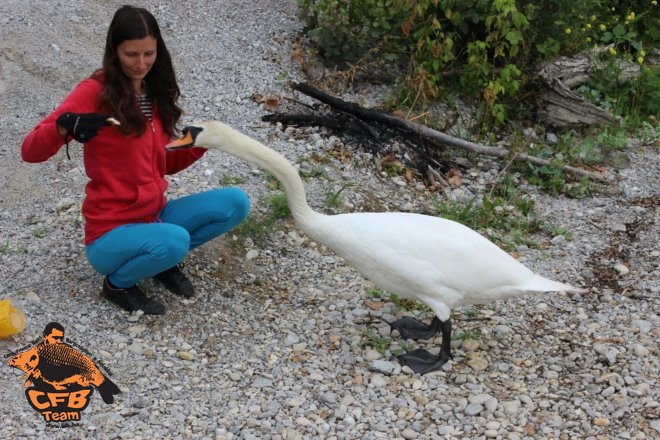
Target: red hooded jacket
x=127, y=173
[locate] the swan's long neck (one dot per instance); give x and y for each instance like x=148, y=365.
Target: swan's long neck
x=219, y=136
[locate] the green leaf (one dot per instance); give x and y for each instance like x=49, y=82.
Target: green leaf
x=514, y=37
x=619, y=30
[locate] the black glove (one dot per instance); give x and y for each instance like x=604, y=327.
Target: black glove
x=83, y=126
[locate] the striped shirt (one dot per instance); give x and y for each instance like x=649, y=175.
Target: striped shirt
x=145, y=105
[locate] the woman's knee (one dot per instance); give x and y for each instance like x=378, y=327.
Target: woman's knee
x=171, y=243
x=234, y=202
x=241, y=203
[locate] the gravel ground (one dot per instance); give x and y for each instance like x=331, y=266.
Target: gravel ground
x=272, y=346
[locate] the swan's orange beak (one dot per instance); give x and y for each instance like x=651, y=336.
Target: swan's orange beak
x=187, y=141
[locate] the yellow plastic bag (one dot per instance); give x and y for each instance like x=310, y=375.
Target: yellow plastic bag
x=12, y=320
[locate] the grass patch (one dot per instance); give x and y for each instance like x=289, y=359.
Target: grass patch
x=260, y=227
x=334, y=199
x=229, y=180
x=408, y=305
x=507, y=216
x=474, y=334
x=371, y=338
x=8, y=249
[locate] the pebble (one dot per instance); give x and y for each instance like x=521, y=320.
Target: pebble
x=378, y=381
x=65, y=204
x=470, y=345
x=493, y=426
x=622, y=269
x=601, y=421
x=409, y=434
x=655, y=424
x=478, y=364
x=372, y=355
x=643, y=325
x=385, y=367
x=473, y=409
x=251, y=254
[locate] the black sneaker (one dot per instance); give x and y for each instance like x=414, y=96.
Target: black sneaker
x=176, y=282
x=132, y=299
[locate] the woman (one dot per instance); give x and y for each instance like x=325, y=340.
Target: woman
x=131, y=231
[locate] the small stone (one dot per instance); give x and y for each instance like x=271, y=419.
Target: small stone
x=378, y=381
x=446, y=430
x=478, y=364
x=135, y=316
x=473, y=409
x=135, y=348
x=185, y=355
x=385, y=367
x=372, y=355
x=501, y=331
x=558, y=239
x=291, y=434
x=622, y=269
x=479, y=398
x=608, y=391
x=618, y=227
x=469, y=345
x=493, y=426
x=640, y=350
x=409, y=434
x=643, y=325
x=511, y=407
x=251, y=254
x=65, y=204
x=530, y=132
x=545, y=404
x=491, y=404
x=601, y=421
x=642, y=389
x=291, y=339
x=32, y=296
x=600, y=348
x=295, y=402
x=655, y=425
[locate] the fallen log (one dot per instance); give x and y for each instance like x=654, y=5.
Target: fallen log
x=430, y=134
x=559, y=105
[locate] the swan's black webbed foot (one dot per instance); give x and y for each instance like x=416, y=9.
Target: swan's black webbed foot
x=411, y=328
x=422, y=361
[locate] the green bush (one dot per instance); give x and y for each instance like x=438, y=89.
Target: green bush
x=344, y=31
x=488, y=50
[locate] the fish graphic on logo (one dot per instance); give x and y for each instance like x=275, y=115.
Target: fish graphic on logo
x=61, y=376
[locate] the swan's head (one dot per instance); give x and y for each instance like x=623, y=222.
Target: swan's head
x=188, y=140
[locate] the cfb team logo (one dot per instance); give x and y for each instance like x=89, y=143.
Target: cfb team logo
x=59, y=379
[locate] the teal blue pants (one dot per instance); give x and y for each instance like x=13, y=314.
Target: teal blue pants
x=132, y=252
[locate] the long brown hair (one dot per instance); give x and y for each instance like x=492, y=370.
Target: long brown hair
x=118, y=95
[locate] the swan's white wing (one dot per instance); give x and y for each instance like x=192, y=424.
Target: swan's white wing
x=428, y=258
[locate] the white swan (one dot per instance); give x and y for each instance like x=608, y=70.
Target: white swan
x=436, y=261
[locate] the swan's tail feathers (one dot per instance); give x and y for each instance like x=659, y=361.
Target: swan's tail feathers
x=541, y=284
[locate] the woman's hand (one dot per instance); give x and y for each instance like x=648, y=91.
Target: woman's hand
x=82, y=126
